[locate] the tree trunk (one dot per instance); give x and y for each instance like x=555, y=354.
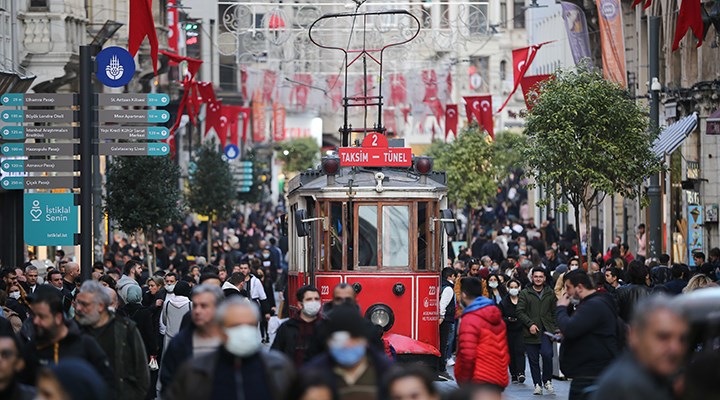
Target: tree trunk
x=577, y=223
x=586, y=210
x=209, y=239
x=153, y=264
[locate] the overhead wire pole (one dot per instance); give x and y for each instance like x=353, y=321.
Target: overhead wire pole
x=654, y=245
x=87, y=98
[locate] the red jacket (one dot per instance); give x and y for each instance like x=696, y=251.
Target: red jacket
x=482, y=355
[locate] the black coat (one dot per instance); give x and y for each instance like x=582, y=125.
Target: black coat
x=286, y=340
x=179, y=350
x=509, y=314
x=628, y=297
x=143, y=318
x=589, y=337
x=626, y=379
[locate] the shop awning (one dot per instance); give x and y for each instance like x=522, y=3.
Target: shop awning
x=672, y=137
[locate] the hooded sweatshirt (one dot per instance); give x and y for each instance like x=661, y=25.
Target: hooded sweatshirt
x=172, y=315
x=482, y=355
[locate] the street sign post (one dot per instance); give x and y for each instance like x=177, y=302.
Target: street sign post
x=133, y=116
x=375, y=152
x=39, y=132
x=32, y=116
x=50, y=219
x=39, y=99
x=133, y=132
x=133, y=149
x=38, y=182
x=133, y=99
x=20, y=166
x=38, y=149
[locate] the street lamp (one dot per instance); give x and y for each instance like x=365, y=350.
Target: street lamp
x=654, y=232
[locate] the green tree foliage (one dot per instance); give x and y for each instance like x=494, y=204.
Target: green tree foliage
x=299, y=154
x=143, y=193
x=586, y=139
x=468, y=162
x=212, y=187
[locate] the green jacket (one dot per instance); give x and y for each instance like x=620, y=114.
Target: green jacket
x=537, y=310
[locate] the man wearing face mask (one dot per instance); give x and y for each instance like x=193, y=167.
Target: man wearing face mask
x=238, y=369
x=590, y=340
x=356, y=368
x=295, y=337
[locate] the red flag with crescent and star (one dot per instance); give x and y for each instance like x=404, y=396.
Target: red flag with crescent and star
x=451, y=119
x=480, y=108
x=530, y=83
x=690, y=17
x=141, y=25
x=522, y=59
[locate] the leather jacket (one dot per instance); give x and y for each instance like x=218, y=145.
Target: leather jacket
x=627, y=297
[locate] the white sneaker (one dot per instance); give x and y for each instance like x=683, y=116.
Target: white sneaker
x=538, y=390
x=451, y=362
x=549, y=387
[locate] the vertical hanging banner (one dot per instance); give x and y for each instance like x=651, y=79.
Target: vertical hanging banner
x=612, y=40
x=690, y=17
x=522, y=59
x=173, y=30
x=141, y=25
x=480, y=108
x=258, y=120
x=398, y=90
x=389, y=121
x=577, y=31
x=451, y=119
x=278, y=122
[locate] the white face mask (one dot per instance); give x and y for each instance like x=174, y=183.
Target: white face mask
x=573, y=267
x=170, y=288
x=311, y=308
x=15, y=295
x=514, y=292
x=493, y=285
x=243, y=340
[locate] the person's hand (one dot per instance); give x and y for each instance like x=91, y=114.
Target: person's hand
x=267, y=317
x=440, y=321
x=534, y=329
x=564, y=300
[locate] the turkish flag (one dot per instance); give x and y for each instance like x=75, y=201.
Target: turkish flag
x=690, y=17
x=451, y=119
x=207, y=92
x=389, y=120
x=172, y=23
x=245, y=113
x=212, y=116
x=141, y=25
x=522, y=58
x=480, y=108
x=645, y=7
x=232, y=114
x=398, y=90
x=529, y=83
x=278, y=122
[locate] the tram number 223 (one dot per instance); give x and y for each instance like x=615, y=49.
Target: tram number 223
x=324, y=290
x=432, y=291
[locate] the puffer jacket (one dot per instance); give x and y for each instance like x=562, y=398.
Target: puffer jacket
x=628, y=296
x=482, y=355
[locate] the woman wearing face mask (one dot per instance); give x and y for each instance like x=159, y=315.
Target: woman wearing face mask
x=516, y=346
x=10, y=314
x=495, y=290
x=17, y=301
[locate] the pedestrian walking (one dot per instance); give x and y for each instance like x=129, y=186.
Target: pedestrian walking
x=536, y=311
x=589, y=335
x=296, y=336
x=515, y=337
x=173, y=312
x=447, y=316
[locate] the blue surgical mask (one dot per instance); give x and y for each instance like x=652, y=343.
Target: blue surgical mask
x=348, y=356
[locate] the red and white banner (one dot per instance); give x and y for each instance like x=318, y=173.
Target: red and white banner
x=258, y=120
x=268, y=87
x=173, y=29
x=278, y=122
x=335, y=89
x=529, y=84
x=389, y=121
x=398, y=90
x=613, y=41
x=430, y=80
x=142, y=24
x=451, y=119
x=480, y=108
x=690, y=17
x=522, y=59
x=301, y=90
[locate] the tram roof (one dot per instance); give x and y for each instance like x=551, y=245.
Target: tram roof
x=363, y=179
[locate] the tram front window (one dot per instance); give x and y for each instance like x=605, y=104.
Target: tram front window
x=337, y=230
x=396, y=231
x=367, y=235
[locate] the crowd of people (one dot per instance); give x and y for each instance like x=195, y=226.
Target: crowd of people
x=198, y=326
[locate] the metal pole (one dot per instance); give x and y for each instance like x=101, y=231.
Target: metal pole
x=654, y=231
x=86, y=157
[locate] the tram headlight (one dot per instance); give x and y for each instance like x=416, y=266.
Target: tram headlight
x=381, y=315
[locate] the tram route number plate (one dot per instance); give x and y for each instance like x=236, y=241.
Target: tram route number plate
x=375, y=152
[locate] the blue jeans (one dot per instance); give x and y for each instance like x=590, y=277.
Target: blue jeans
x=534, y=353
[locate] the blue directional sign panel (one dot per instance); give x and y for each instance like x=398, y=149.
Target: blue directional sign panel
x=231, y=151
x=50, y=219
x=115, y=66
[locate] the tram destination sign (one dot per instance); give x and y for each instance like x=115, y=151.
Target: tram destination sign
x=51, y=116
x=375, y=152
x=38, y=149
x=133, y=132
x=38, y=182
x=39, y=132
x=133, y=99
x=20, y=166
x=39, y=99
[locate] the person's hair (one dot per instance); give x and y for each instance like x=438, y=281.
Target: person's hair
x=98, y=265
x=235, y=301
x=471, y=262
x=699, y=254
x=679, y=270
x=714, y=253
x=412, y=371
x=98, y=291
x=212, y=289
x=641, y=226
x=206, y=275
x=236, y=277
x=513, y=280
x=109, y=280
x=300, y=294
x=537, y=269
x=471, y=286
x=172, y=274
x=613, y=271
x=664, y=259
x=625, y=246
x=312, y=378
x=159, y=282
x=49, y=295
x=637, y=273
x=51, y=273
x=129, y=266
x=647, y=306
x=210, y=269
x=7, y=271
x=343, y=285
x=447, y=272
x=579, y=277
x=698, y=281
x=30, y=268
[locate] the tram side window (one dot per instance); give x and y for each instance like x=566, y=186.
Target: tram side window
x=422, y=235
x=396, y=232
x=337, y=230
x=367, y=236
